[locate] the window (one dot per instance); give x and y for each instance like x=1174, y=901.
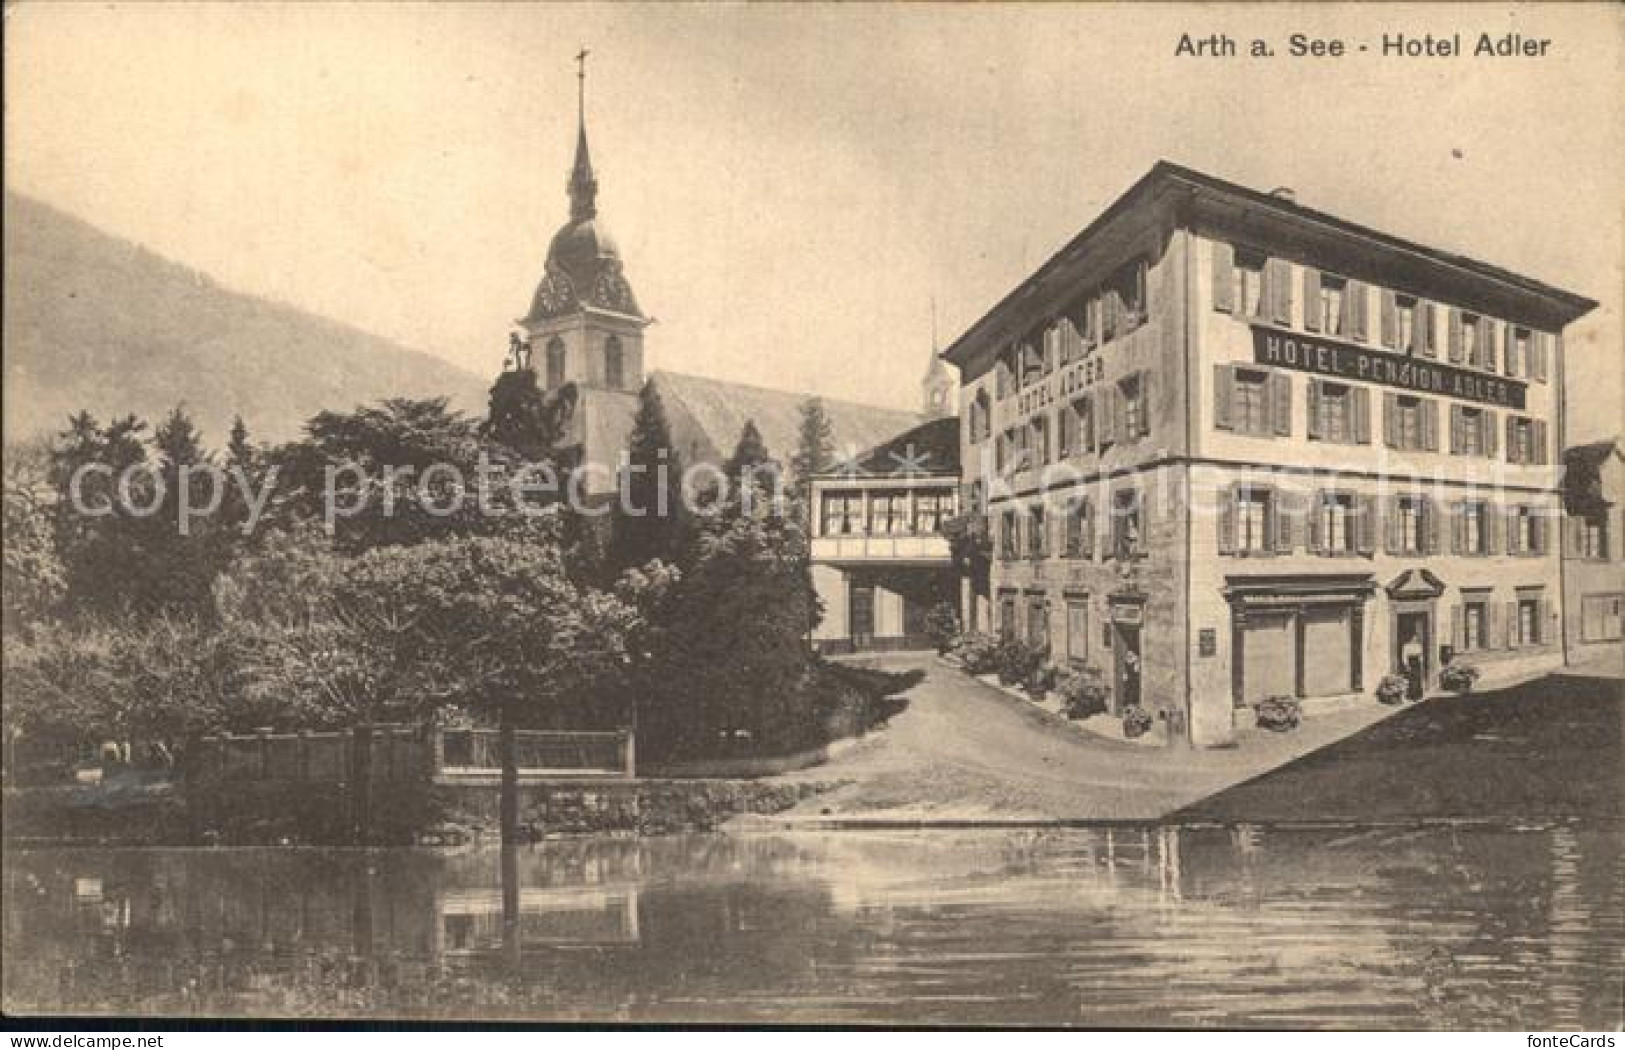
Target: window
x=1037, y=547
x=1410, y=526
x=843, y=515
x=930, y=508
x=1125, y=298
x=1410, y=422
x=555, y=362
x=1339, y=412
x=1527, y=630
x=1083, y=412
x=1336, y=519
x=1592, y=531
x=1517, y=351
x=1040, y=440
x=1405, y=321
x=1252, y=401
x=1077, y=630
x=1007, y=616
x=1601, y=618
x=1249, y=282
x=1526, y=531
x=1009, y=537
x=1135, y=421
x=1032, y=364
x=1255, y=520
x=1526, y=440
x=1472, y=431
x=1005, y=373
x=614, y=363
x=1333, y=292
x=1080, y=529
x=1473, y=529
x=888, y=513
x=1128, y=538
x=1475, y=623
x=981, y=417
x=1038, y=623
x=1472, y=349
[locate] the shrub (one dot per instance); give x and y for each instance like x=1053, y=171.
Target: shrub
x=1085, y=693
x=1017, y=661
x=1136, y=722
x=942, y=626
x=1458, y=678
x=1392, y=689
x=1278, y=713
x=978, y=653
x=1042, y=679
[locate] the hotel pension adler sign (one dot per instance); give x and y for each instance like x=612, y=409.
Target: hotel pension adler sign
x=1329, y=357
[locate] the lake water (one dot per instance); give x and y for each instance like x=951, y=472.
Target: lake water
x=1439, y=927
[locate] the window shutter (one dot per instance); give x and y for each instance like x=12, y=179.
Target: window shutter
x=1512, y=625
x=1430, y=527
x=1392, y=542
x=1455, y=335
x=1280, y=392
x=1542, y=620
x=1486, y=342
x=1389, y=320
x=1457, y=424
x=1106, y=415
x=1362, y=415
x=1430, y=425
x=1509, y=353
x=1538, y=440
x=1283, y=525
x=1145, y=403
x=1426, y=317
x=1086, y=424
x=1356, y=306
x=1512, y=439
x=1227, y=520
x=1224, y=277
x=1496, y=639
x=1119, y=415
x=1458, y=529
x=1224, y=396
x=1314, y=408
x=1313, y=539
x=1390, y=419
x=1543, y=525
x=1088, y=529
x=1491, y=436
x=1311, y=298
x=1495, y=525
x=1537, y=351
x=1514, y=540
x=1458, y=629
x=1280, y=290
x=1365, y=533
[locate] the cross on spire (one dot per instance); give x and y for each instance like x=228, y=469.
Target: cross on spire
x=581, y=86
x=583, y=183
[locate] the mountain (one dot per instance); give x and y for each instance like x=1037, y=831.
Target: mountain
x=95, y=322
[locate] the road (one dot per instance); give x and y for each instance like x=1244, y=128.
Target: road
x=964, y=750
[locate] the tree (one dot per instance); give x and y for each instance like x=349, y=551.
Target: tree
x=751, y=468
x=35, y=580
x=185, y=544
x=649, y=522
x=815, y=447
x=102, y=544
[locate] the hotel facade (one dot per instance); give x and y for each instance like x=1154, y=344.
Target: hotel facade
x=1227, y=447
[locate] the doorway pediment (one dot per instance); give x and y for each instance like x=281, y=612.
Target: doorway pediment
x=1415, y=584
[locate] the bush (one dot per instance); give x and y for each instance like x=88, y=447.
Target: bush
x=1136, y=722
x=1392, y=689
x=1278, y=713
x=942, y=626
x=1042, y=679
x=1017, y=661
x=978, y=653
x=1084, y=693
x=1458, y=678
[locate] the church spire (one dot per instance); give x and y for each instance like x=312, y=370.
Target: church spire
x=583, y=183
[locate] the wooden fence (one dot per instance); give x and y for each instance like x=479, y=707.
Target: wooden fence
x=394, y=753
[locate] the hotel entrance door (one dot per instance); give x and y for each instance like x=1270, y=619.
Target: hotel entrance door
x=1413, y=640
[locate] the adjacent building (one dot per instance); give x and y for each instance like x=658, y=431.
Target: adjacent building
x=1593, y=570
x=1230, y=447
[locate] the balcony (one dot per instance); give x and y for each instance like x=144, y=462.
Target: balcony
x=881, y=548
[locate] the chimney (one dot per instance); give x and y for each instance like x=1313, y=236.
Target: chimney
x=1286, y=193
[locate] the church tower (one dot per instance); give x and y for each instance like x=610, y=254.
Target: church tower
x=938, y=388
x=584, y=325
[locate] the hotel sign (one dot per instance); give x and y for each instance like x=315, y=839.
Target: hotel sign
x=1330, y=357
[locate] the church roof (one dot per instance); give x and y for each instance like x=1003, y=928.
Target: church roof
x=928, y=449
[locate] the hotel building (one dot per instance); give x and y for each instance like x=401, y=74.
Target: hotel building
x=1230, y=447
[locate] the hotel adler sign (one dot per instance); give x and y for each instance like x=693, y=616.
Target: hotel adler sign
x=1329, y=357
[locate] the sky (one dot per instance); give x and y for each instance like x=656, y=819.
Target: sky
x=793, y=186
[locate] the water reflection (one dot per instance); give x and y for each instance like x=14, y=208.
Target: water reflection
x=1376, y=927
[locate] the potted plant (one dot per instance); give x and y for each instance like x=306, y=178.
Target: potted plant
x=1278, y=713
x=1136, y=722
x=1392, y=689
x=1458, y=678
x=1084, y=693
